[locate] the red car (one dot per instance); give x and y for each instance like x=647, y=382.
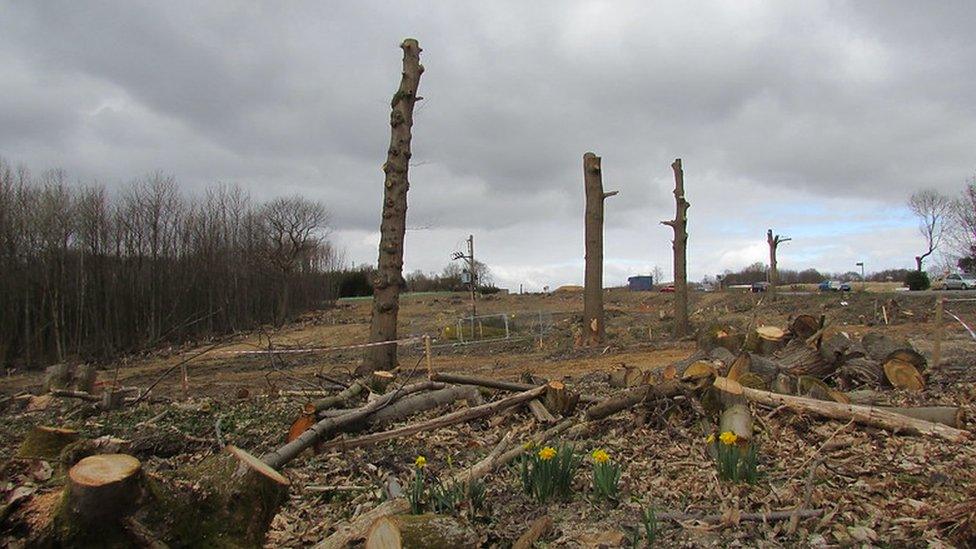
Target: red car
x=669, y=289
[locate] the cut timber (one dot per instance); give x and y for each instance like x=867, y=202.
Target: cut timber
x=421, y=402
x=380, y=380
x=496, y=384
x=339, y=399
x=865, y=415
x=799, y=359
x=812, y=387
x=420, y=532
x=804, y=326
x=882, y=348
x=903, y=375
x=766, y=340
x=946, y=415
x=908, y=355
x=46, y=442
x=737, y=419
x=764, y=367
x=330, y=425
x=720, y=335
x=79, y=377
x=834, y=349
x=438, y=422
x=559, y=400
x=750, y=379
x=388, y=279
x=783, y=384
x=540, y=412
x=739, y=367
x=632, y=397
x=861, y=371
x=626, y=376
x=699, y=370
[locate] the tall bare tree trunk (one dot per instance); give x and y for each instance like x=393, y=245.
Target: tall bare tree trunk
x=774, y=242
x=680, y=246
x=593, y=328
x=388, y=279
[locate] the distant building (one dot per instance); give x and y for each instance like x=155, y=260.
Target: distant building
x=643, y=283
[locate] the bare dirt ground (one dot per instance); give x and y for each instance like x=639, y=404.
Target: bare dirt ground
x=875, y=488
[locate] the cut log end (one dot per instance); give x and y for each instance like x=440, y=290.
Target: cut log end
x=102, y=490
x=380, y=380
x=105, y=469
x=903, y=375
x=420, y=531
x=251, y=463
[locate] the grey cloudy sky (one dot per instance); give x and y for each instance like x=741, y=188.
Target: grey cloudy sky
x=815, y=118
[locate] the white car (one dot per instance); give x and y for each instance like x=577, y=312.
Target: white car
x=959, y=282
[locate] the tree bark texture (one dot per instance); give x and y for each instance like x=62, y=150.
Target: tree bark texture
x=680, y=245
x=593, y=327
x=388, y=280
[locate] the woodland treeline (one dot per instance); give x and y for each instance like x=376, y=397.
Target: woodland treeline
x=89, y=274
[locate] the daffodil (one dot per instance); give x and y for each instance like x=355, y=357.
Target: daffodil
x=600, y=456
x=728, y=438
x=710, y=439
x=420, y=462
x=547, y=453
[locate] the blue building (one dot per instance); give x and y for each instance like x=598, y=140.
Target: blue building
x=642, y=283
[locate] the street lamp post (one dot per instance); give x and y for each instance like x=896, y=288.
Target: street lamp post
x=863, y=282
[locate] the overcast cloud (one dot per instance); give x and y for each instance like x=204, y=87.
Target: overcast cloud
x=815, y=118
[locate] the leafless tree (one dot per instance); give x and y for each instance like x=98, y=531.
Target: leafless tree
x=295, y=229
x=87, y=274
x=933, y=211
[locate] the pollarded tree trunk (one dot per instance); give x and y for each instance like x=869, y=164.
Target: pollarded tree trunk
x=388, y=280
x=593, y=328
x=773, y=241
x=680, y=246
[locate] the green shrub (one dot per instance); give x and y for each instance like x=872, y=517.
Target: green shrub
x=917, y=281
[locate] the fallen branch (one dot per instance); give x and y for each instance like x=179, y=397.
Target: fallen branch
x=328, y=426
x=496, y=384
x=865, y=415
x=436, y=423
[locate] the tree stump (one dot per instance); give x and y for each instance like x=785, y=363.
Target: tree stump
x=46, y=442
x=380, y=380
x=420, y=532
x=103, y=488
x=560, y=400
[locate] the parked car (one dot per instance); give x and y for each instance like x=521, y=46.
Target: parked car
x=758, y=287
x=959, y=282
x=834, y=286
x=669, y=289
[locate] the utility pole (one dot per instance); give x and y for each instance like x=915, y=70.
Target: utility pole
x=471, y=282
x=471, y=272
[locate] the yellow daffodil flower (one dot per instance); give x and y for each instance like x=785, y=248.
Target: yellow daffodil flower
x=728, y=438
x=547, y=453
x=600, y=456
x=710, y=439
x=420, y=462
